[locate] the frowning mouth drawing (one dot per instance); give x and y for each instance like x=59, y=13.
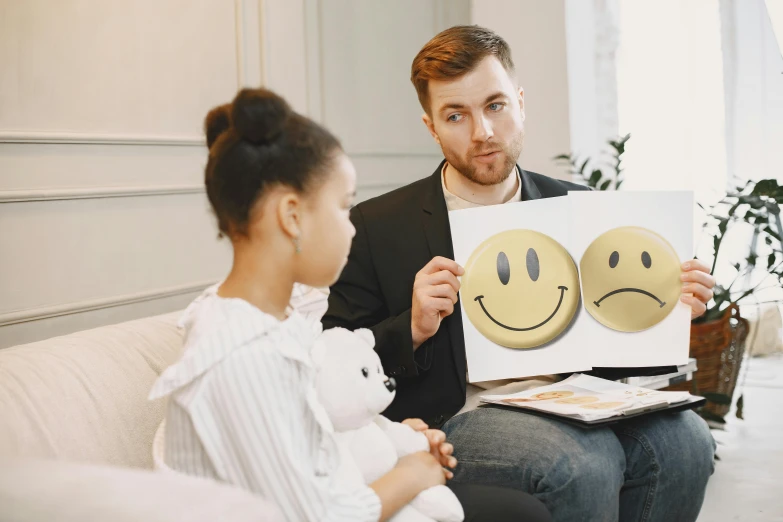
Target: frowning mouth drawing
x=634, y=290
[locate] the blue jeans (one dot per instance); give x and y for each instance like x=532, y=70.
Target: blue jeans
x=652, y=468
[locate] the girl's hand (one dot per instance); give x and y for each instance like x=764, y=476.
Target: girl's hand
x=416, y=424
x=439, y=448
x=423, y=468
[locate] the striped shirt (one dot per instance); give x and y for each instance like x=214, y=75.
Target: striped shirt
x=243, y=410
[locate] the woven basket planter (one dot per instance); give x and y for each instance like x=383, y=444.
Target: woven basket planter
x=718, y=347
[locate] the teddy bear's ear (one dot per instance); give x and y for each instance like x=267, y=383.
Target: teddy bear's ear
x=366, y=335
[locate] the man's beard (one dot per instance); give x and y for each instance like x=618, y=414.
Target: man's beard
x=491, y=174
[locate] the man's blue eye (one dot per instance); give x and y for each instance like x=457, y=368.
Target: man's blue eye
x=454, y=117
x=495, y=106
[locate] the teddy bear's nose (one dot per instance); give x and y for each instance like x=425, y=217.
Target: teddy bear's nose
x=391, y=384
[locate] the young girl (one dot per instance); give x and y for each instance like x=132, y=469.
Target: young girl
x=242, y=406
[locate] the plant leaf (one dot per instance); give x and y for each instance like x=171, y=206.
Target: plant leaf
x=605, y=184
x=595, y=177
x=741, y=407
x=722, y=224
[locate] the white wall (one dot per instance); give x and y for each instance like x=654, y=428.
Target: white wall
x=592, y=38
x=351, y=72
x=536, y=32
x=103, y=216
x=102, y=211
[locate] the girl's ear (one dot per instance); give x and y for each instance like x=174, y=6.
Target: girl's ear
x=289, y=214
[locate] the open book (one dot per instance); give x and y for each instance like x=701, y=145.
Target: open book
x=590, y=399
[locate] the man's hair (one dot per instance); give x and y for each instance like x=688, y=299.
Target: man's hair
x=453, y=53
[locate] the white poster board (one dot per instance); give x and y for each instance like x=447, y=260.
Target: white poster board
x=670, y=215
x=575, y=221
x=487, y=360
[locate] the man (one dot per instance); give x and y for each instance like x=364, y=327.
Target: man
x=401, y=282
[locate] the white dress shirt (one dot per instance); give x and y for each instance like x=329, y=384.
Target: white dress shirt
x=243, y=410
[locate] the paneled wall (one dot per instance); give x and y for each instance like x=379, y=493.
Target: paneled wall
x=102, y=211
x=103, y=217
x=347, y=64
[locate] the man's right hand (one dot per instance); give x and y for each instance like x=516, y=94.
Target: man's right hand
x=434, y=296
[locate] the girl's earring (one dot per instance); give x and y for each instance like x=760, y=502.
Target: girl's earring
x=297, y=246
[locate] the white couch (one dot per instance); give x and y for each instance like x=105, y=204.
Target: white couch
x=74, y=420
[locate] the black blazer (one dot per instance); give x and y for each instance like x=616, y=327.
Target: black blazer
x=396, y=235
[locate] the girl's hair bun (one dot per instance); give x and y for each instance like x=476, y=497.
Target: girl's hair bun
x=259, y=115
x=217, y=122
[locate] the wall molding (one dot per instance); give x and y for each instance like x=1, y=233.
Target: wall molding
x=77, y=138
x=78, y=307
x=59, y=194
x=314, y=60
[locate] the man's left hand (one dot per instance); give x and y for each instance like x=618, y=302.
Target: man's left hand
x=697, y=285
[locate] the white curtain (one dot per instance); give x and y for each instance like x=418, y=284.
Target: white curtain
x=700, y=88
x=671, y=96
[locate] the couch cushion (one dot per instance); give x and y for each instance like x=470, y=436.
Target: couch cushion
x=67, y=492
x=83, y=396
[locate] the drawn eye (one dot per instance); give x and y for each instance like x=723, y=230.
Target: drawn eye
x=646, y=260
x=614, y=259
x=365, y=372
x=533, y=268
x=504, y=269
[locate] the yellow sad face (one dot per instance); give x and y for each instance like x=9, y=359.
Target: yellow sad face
x=520, y=289
x=630, y=279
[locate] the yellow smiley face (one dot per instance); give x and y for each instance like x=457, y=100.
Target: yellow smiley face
x=520, y=289
x=630, y=279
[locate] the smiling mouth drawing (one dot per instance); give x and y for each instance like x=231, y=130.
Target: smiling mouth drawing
x=636, y=290
x=562, y=293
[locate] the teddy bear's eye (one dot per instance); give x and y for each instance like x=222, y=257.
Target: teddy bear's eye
x=365, y=372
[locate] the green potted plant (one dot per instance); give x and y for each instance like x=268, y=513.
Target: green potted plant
x=718, y=337
x=592, y=174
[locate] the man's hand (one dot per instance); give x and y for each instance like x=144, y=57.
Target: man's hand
x=439, y=448
x=697, y=282
x=434, y=296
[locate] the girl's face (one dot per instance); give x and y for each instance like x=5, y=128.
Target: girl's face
x=326, y=228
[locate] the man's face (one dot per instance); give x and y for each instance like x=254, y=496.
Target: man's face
x=478, y=121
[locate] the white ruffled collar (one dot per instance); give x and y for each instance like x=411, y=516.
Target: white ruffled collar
x=216, y=326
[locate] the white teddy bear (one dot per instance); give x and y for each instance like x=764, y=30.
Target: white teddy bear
x=353, y=390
